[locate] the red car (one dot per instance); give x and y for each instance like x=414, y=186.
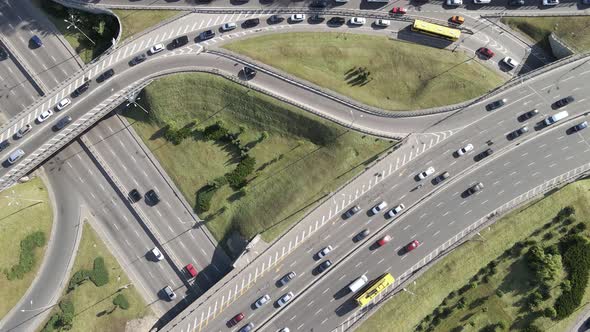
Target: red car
x=237, y=318
x=384, y=240
x=398, y=11
x=486, y=52
x=412, y=245
x=191, y=270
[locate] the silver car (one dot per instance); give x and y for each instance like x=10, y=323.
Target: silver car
x=23, y=131
x=285, y=299
x=322, y=253
x=262, y=301
x=288, y=277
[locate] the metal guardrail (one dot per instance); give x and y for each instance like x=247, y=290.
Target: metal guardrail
x=528, y=14
x=460, y=238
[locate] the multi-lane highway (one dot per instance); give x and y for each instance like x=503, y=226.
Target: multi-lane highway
x=434, y=213
x=108, y=161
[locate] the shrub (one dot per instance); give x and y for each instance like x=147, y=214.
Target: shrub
x=66, y=317
x=566, y=212
x=100, y=274
x=581, y=226
x=499, y=292
x=237, y=177
x=27, y=257
x=532, y=328
x=204, y=197
x=78, y=278
x=51, y=323
x=549, y=312
x=215, y=132
x=121, y=301
x=569, y=220
x=548, y=236
x=576, y=259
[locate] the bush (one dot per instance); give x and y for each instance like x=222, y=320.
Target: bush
x=204, y=197
x=548, y=236
x=27, y=257
x=532, y=328
x=576, y=259
x=499, y=292
x=566, y=212
x=237, y=177
x=121, y=301
x=580, y=226
x=66, y=318
x=78, y=278
x=100, y=274
x=549, y=313
x=215, y=132
x=569, y=221
x=51, y=323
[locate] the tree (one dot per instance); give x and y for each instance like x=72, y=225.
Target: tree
x=550, y=312
x=545, y=266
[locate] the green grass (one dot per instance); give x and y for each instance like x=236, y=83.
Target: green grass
x=134, y=21
x=101, y=29
x=312, y=156
x=403, y=76
x=574, y=31
x=91, y=302
x=20, y=215
x=404, y=312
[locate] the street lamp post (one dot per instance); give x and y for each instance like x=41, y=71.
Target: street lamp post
x=131, y=98
x=37, y=309
x=72, y=23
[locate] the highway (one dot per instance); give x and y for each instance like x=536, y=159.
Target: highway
x=440, y=212
x=106, y=158
x=36, y=69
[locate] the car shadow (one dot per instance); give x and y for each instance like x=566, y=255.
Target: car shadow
x=341, y=293
x=347, y=307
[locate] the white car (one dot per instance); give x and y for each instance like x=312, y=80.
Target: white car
x=454, y=2
x=426, y=173
x=550, y=2
x=157, y=254
x=44, y=116
x=228, y=26
x=395, y=211
x=379, y=207
x=382, y=23
x=262, y=301
x=297, y=17
x=465, y=149
x=285, y=299
x=358, y=20
x=322, y=253
x=157, y=48
x=63, y=103
x=508, y=61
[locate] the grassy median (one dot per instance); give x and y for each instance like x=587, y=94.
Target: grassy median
x=375, y=70
x=299, y=158
x=24, y=210
x=574, y=31
x=406, y=311
x=93, y=308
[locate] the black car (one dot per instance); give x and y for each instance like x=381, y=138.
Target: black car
x=251, y=23
x=324, y=266
x=519, y=131
x=152, y=197
x=316, y=18
x=81, y=89
x=473, y=189
x=4, y=144
x=563, y=102
x=496, y=104
x=249, y=72
x=134, y=195
x=528, y=115
x=362, y=234
x=105, y=76
x=138, y=59
x=336, y=21
x=484, y=154
x=352, y=211
x=207, y=34
x=3, y=54
x=318, y=4
x=275, y=19
x=516, y=3
x=180, y=41
x=580, y=126
x=441, y=177
x=35, y=42
x=62, y=122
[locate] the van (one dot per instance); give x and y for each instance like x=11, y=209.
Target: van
x=556, y=117
x=15, y=155
x=358, y=284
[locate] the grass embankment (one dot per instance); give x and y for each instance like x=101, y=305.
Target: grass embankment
x=398, y=75
x=134, y=21
x=101, y=29
x=404, y=312
x=93, y=306
x=24, y=210
x=574, y=31
x=300, y=159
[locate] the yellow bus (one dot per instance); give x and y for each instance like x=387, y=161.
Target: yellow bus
x=373, y=289
x=436, y=30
